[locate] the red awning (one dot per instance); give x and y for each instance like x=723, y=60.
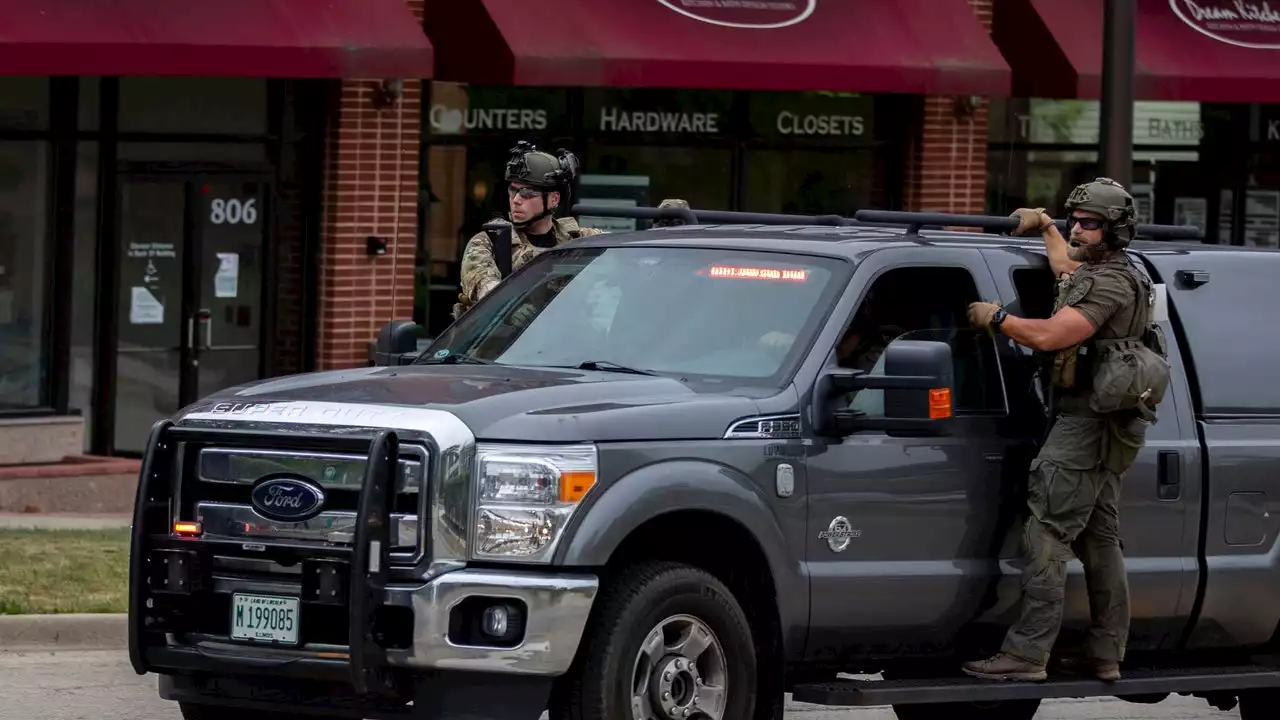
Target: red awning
x=1203, y=50
x=907, y=46
x=253, y=38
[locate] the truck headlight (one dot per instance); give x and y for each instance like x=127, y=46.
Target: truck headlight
x=525, y=496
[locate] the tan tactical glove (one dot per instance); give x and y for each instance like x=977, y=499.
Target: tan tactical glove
x=981, y=313
x=1030, y=219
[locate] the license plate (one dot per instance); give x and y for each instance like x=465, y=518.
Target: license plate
x=265, y=618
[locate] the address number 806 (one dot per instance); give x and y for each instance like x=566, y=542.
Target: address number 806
x=233, y=211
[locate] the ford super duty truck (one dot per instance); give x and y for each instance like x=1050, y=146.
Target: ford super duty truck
x=652, y=475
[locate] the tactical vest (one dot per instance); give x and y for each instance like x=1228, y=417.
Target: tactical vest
x=1115, y=374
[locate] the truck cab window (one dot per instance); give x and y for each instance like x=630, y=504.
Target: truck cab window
x=1035, y=287
x=924, y=303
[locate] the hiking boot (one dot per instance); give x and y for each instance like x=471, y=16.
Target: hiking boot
x=1004, y=667
x=1104, y=670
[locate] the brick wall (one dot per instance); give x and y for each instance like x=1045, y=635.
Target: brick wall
x=947, y=161
x=371, y=188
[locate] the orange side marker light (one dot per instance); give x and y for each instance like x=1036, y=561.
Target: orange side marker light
x=186, y=528
x=939, y=403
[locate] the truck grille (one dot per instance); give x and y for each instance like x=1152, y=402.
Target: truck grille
x=216, y=482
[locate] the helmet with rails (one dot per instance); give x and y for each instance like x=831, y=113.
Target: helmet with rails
x=539, y=168
x=542, y=170
x=1109, y=199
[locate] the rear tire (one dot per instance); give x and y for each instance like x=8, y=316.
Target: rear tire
x=664, y=638
x=198, y=711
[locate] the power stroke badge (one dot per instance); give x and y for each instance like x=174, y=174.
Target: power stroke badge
x=839, y=533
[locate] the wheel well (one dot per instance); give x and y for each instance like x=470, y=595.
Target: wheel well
x=720, y=546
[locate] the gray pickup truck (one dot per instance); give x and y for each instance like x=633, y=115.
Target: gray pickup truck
x=659, y=475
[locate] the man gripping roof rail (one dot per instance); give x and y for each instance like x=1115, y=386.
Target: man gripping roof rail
x=538, y=184
x=1105, y=371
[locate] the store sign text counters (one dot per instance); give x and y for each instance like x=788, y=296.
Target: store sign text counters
x=447, y=120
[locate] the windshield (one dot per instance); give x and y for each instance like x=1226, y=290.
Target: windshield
x=696, y=314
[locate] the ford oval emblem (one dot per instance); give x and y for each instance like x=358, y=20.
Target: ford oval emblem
x=290, y=499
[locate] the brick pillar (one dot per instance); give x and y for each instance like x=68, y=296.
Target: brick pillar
x=371, y=188
x=947, y=165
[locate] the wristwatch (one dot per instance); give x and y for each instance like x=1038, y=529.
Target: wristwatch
x=998, y=317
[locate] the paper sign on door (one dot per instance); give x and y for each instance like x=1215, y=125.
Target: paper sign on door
x=144, y=308
x=227, y=279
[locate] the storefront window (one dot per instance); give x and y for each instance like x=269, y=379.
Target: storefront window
x=811, y=153
x=84, y=290
x=1041, y=149
x=647, y=145
x=24, y=274
x=208, y=105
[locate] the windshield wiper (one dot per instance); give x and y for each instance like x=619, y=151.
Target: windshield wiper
x=606, y=366
x=456, y=359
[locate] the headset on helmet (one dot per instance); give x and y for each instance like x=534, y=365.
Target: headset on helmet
x=1109, y=199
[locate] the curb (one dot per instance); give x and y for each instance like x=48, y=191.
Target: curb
x=82, y=631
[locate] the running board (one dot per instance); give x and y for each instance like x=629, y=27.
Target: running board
x=844, y=693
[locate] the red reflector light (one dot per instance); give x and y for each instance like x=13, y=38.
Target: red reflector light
x=756, y=273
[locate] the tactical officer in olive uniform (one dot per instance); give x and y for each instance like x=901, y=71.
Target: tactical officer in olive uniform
x=1103, y=308
x=538, y=181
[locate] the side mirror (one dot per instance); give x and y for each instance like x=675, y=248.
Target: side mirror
x=397, y=343
x=918, y=384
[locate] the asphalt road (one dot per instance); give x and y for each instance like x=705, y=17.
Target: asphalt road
x=100, y=685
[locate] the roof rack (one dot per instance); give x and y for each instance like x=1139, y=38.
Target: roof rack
x=912, y=221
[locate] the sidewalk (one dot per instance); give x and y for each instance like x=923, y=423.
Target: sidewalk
x=64, y=521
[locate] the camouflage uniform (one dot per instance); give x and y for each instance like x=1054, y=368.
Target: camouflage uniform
x=480, y=272
x=1075, y=481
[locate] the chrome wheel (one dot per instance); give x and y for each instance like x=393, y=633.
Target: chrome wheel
x=680, y=673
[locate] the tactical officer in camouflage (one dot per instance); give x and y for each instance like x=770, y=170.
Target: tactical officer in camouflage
x=1075, y=480
x=537, y=183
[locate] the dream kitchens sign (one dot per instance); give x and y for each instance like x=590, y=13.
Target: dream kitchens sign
x=1237, y=22
x=751, y=14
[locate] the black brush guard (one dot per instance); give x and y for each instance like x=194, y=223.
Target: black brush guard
x=368, y=557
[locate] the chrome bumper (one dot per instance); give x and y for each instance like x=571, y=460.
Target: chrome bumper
x=557, y=608
x=558, y=605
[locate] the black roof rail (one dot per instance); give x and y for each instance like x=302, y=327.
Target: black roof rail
x=912, y=221
x=695, y=217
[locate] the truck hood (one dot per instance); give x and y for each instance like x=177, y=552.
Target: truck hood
x=505, y=403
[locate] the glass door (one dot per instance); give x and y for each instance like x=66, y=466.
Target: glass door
x=190, y=294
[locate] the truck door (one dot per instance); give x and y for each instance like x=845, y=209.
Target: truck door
x=904, y=533
x=1157, y=531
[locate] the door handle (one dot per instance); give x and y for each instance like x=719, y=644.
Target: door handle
x=205, y=316
x=1168, y=475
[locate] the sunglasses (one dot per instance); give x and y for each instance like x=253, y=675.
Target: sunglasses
x=527, y=193
x=1085, y=223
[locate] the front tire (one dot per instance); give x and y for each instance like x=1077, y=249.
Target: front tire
x=666, y=641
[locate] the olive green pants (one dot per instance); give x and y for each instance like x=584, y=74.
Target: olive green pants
x=1074, y=502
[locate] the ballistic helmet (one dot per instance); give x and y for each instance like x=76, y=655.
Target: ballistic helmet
x=1109, y=199
x=532, y=166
